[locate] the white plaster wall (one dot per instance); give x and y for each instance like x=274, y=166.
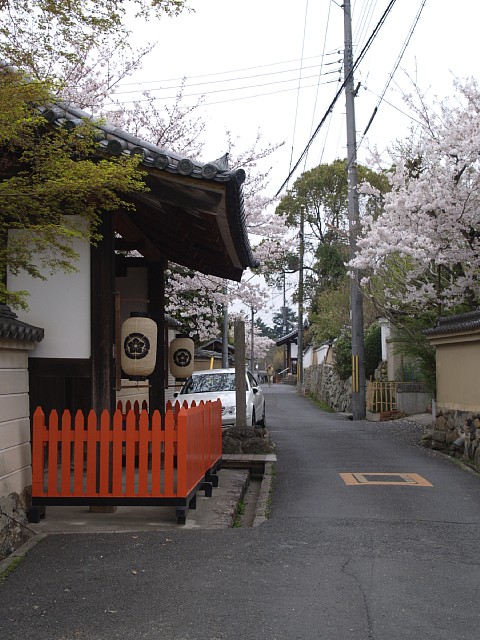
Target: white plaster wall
x=61, y=306
x=308, y=358
x=385, y=335
x=321, y=354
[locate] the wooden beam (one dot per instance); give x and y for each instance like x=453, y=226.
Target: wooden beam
x=131, y=233
x=103, y=318
x=156, y=309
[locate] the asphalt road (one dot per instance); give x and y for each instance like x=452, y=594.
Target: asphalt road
x=335, y=560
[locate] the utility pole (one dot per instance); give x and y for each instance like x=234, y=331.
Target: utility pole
x=252, y=342
x=356, y=298
x=284, y=318
x=240, y=383
x=301, y=250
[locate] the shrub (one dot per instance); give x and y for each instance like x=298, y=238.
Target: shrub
x=372, y=355
x=343, y=355
x=373, y=349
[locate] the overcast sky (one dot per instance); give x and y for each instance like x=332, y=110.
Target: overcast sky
x=247, y=58
x=274, y=66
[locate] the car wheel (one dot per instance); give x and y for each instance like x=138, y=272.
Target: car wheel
x=263, y=422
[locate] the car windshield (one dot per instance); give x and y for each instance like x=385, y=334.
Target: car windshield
x=210, y=382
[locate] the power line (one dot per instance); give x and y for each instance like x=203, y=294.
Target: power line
x=299, y=82
x=396, y=65
x=316, y=94
x=256, y=95
x=223, y=81
x=339, y=92
x=390, y=104
x=218, y=73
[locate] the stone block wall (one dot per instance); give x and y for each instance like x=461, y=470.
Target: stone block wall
x=322, y=383
x=15, y=457
x=456, y=433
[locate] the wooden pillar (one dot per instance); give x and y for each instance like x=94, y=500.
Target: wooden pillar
x=156, y=308
x=240, y=384
x=103, y=318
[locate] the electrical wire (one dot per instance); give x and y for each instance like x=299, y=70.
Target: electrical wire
x=392, y=73
x=364, y=21
x=223, y=81
x=236, y=99
x=226, y=90
x=318, y=86
x=219, y=73
x=299, y=82
x=390, y=104
x=339, y=92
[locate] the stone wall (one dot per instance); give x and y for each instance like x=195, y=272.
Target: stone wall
x=246, y=440
x=322, y=383
x=456, y=433
x=17, y=339
x=15, y=461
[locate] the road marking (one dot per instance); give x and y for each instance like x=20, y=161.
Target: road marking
x=398, y=479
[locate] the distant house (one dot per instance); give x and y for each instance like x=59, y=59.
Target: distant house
x=210, y=355
x=289, y=341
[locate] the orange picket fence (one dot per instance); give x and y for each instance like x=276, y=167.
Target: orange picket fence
x=130, y=458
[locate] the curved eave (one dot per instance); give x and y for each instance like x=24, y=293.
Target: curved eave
x=193, y=214
x=288, y=338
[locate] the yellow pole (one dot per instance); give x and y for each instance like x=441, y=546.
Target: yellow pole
x=355, y=379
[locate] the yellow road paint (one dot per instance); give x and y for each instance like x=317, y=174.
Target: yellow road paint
x=398, y=479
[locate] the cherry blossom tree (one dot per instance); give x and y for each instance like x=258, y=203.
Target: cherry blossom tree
x=261, y=343
x=422, y=253
x=84, y=47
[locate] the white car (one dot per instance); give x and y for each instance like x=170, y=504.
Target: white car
x=210, y=384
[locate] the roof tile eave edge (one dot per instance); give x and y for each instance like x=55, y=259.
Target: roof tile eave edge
x=209, y=171
x=238, y=225
x=13, y=329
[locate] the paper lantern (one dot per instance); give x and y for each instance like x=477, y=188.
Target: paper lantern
x=139, y=346
x=181, y=357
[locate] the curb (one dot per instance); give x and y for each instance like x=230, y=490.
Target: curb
x=20, y=553
x=221, y=514
x=263, y=506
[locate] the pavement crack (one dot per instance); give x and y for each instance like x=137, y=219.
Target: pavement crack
x=368, y=614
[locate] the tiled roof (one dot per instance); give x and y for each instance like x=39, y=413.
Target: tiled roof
x=461, y=322
x=13, y=329
x=289, y=337
x=193, y=213
x=157, y=160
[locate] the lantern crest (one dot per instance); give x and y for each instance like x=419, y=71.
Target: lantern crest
x=181, y=357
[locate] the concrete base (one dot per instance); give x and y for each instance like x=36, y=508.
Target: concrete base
x=102, y=509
